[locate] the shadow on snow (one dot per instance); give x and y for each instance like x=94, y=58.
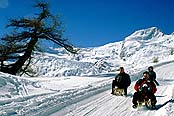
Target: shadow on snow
x=162, y=105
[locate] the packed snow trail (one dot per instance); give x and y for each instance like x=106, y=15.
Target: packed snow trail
x=105, y=104
x=89, y=96
x=53, y=100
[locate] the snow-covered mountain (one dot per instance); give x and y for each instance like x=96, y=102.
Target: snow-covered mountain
x=145, y=46
x=85, y=84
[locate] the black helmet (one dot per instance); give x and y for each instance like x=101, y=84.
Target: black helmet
x=121, y=68
x=150, y=67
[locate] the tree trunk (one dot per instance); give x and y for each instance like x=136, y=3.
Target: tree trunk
x=20, y=62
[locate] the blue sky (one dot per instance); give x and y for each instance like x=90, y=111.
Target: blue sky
x=90, y=23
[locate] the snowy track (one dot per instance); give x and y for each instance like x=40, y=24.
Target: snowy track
x=105, y=104
x=48, y=103
x=88, y=96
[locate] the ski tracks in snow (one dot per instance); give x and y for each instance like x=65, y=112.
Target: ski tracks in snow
x=48, y=103
x=90, y=100
x=105, y=104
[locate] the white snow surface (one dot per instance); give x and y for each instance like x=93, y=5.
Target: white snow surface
x=80, y=85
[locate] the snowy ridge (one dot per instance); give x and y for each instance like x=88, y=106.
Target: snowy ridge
x=141, y=47
x=53, y=66
x=146, y=34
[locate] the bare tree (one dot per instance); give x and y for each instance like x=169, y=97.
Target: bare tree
x=18, y=46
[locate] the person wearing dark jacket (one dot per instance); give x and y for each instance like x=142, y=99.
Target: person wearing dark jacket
x=152, y=75
x=144, y=89
x=122, y=81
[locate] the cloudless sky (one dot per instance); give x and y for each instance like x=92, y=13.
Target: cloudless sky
x=90, y=23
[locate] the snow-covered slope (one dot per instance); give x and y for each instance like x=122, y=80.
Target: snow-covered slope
x=79, y=96
x=145, y=46
x=105, y=104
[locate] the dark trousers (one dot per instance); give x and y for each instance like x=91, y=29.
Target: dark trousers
x=138, y=96
x=115, y=84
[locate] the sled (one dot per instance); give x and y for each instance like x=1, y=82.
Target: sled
x=118, y=92
x=146, y=103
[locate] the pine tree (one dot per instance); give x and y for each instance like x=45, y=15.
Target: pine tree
x=17, y=47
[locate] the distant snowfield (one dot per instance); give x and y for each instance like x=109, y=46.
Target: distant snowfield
x=80, y=96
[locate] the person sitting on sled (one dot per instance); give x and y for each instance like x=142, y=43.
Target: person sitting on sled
x=122, y=81
x=145, y=89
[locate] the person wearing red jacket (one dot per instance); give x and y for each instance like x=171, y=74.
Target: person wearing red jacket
x=144, y=89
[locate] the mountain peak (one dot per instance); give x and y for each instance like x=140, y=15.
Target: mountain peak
x=145, y=34
x=172, y=34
